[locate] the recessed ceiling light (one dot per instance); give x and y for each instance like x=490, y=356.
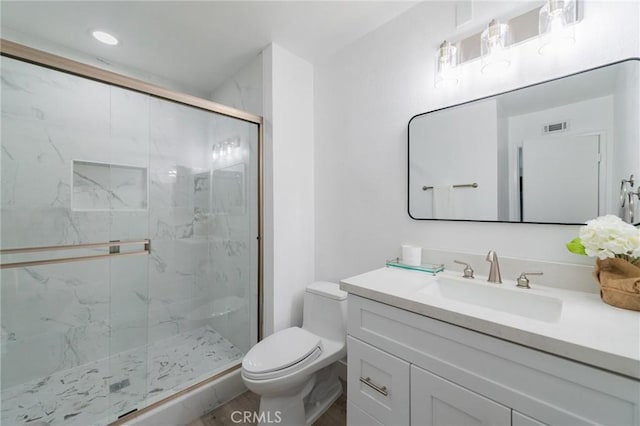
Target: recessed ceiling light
x=105, y=38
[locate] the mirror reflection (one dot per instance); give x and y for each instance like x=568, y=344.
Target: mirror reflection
x=561, y=151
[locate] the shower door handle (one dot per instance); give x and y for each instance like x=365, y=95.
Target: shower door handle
x=113, y=246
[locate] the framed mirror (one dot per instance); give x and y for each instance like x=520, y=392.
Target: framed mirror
x=561, y=151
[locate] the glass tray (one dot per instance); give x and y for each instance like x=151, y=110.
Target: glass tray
x=425, y=267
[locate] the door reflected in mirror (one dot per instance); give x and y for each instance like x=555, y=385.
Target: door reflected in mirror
x=553, y=152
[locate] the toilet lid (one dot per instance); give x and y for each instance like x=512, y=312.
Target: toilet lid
x=327, y=289
x=282, y=352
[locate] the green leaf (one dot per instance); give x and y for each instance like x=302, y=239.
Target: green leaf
x=575, y=246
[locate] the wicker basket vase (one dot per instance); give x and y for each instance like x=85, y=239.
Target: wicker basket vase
x=619, y=283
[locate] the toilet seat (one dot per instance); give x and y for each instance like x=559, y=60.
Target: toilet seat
x=281, y=353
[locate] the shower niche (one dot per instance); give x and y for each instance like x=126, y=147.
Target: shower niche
x=104, y=186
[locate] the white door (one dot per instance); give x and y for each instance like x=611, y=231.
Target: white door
x=438, y=402
x=560, y=179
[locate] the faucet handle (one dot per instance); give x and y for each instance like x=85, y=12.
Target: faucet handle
x=468, y=270
x=523, y=281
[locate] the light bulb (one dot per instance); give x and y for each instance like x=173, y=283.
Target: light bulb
x=495, y=57
x=446, y=65
x=105, y=38
x=554, y=26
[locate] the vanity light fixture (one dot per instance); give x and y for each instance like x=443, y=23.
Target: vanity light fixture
x=493, y=41
x=553, y=23
x=105, y=38
x=446, y=65
x=555, y=26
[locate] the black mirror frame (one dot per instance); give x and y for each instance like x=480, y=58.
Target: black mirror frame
x=485, y=98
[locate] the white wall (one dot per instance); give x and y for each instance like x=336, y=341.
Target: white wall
x=365, y=95
x=289, y=213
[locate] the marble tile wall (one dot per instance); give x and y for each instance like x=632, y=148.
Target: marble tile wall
x=176, y=149
x=38, y=142
x=54, y=317
x=60, y=317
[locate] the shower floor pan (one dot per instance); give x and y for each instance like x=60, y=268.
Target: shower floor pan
x=98, y=392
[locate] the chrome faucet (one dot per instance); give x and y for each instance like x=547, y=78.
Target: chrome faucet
x=494, y=270
x=468, y=270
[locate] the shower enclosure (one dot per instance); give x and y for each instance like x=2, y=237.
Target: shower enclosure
x=129, y=249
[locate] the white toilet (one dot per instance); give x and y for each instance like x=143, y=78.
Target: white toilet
x=294, y=370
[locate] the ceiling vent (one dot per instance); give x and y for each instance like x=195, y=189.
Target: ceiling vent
x=555, y=127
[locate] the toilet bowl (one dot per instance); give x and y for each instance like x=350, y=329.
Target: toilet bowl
x=293, y=370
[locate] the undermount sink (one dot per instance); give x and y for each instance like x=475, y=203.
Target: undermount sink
x=492, y=296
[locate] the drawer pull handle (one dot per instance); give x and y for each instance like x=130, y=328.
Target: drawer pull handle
x=368, y=382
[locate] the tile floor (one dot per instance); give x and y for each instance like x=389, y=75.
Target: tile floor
x=96, y=393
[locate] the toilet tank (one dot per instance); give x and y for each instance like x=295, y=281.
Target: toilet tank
x=325, y=310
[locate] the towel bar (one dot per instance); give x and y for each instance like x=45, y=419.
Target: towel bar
x=464, y=185
x=113, y=246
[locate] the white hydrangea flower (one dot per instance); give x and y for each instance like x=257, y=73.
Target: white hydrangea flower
x=609, y=236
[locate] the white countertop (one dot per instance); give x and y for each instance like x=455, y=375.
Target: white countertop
x=587, y=330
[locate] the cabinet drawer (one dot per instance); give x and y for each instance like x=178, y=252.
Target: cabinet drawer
x=357, y=417
x=378, y=383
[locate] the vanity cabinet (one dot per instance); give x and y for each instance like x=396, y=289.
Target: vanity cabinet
x=409, y=369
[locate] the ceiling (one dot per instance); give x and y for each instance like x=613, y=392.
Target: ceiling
x=198, y=44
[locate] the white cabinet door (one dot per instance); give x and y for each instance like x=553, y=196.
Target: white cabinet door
x=519, y=419
x=378, y=383
x=439, y=402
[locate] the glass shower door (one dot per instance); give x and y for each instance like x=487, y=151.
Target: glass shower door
x=74, y=185
x=203, y=224
x=128, y=237
x=129, y=276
